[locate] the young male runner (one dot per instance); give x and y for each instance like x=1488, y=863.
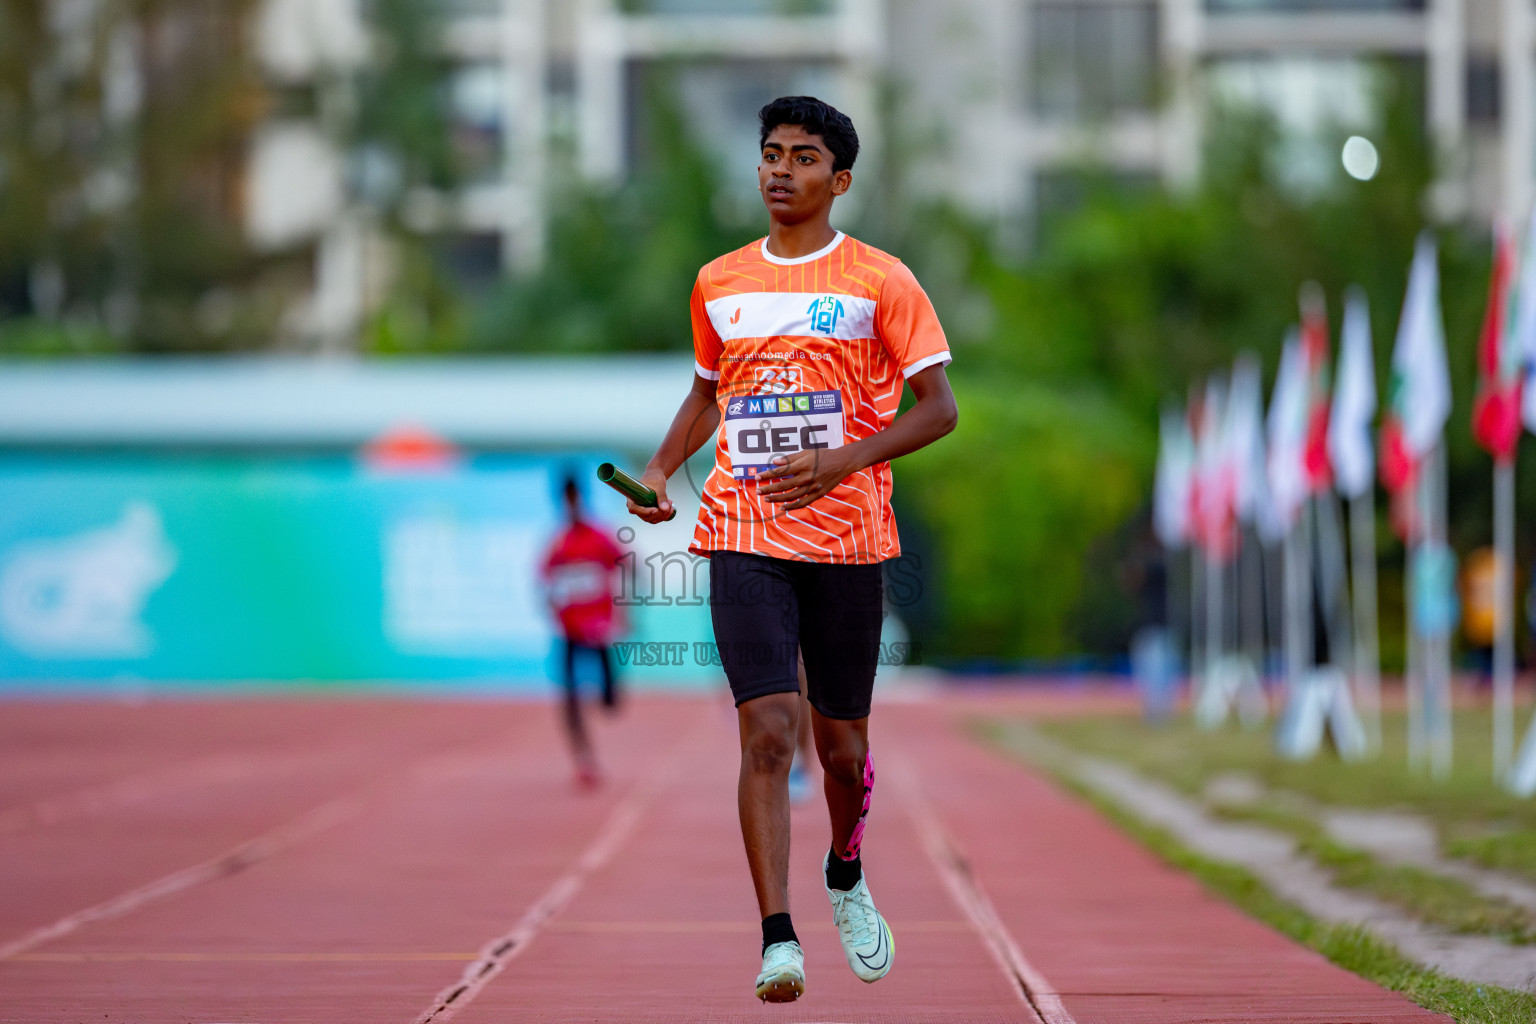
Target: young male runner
x=801, y=343
x=579, y=573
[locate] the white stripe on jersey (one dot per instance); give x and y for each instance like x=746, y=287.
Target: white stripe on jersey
x=940, y=358
x=769, y=314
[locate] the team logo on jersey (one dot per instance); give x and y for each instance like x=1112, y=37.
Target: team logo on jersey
x=736, y=317
x=824, y=313
x=776, y=382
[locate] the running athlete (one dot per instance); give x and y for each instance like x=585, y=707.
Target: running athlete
x=578, y=574
x=802, y=341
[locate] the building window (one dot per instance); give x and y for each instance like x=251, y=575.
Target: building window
x=473, y=259
x=1093, y=60
x=1483, y=90
x=753, y=7
x=468, y=8
x=1319, y=6
x=476, y=95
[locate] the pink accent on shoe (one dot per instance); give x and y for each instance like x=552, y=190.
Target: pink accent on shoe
x=857, y=838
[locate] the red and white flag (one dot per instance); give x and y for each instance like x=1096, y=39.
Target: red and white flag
x=1314, y=354
x=1419, y=396
x=1175, y=475
x=1354, y=402
x=1287, y=429
x=1215, y=477
x=1245, y=438
x=1496, y=409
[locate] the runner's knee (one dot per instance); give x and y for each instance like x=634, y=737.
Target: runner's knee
x=769, y=751
x=843, y=760
x=769, y=731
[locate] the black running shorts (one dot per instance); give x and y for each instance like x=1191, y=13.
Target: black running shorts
x=765, y=609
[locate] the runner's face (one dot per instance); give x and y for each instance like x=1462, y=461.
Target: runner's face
x=795, y=175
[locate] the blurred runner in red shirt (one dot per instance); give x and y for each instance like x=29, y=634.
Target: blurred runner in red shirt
x=578, y=575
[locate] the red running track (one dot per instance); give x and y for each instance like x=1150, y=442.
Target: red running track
x=376, y=861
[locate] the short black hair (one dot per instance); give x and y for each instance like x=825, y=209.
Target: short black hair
x=817, y=118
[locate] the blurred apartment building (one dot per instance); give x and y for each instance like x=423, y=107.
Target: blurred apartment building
x=997, y=104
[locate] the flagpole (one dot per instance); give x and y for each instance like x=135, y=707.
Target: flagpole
x=1172, y=602
x=1413, y=660
x=1298, y=580
x=1504, y=625
x=1215, y=613
x=1196, y=612
x=1362, y=549
x=1276, y=560
x=1438, y=650
x=1332, y=586
x=1251, y=601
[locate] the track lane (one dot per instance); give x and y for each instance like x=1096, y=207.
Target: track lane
x=668, y=930
x=117, y=848
x=1121, y=935
x=367, y=920
x=363, y=922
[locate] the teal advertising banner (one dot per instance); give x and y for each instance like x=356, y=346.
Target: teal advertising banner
x=258, y=570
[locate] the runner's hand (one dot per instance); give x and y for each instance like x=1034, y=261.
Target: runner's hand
x=656, y=481
x=801, y=478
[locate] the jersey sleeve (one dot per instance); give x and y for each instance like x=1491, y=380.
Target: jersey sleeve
x=707, y=346
x=907, y=325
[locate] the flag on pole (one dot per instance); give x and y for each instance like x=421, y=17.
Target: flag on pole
x=1287, y=429
x=1175, y=470
x=1215, y=476
x=1314, y=354
x=1245, y=437
x=1419, y=397
x=1354, y=401
x=1496, y=410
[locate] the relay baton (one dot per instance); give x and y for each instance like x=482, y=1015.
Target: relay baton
x=628, y=486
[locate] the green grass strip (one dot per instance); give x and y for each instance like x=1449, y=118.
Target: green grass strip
x=1433, y=898
x=1474, y=818
x=1507, y=851
x=1349, y=946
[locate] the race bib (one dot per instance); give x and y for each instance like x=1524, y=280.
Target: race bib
x=762, y=428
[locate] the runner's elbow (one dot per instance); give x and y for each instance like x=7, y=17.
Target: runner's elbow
x=948, y=415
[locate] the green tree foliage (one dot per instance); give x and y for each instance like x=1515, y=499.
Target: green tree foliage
x=1129, y=300
x=1030, y=479
x=123, y=131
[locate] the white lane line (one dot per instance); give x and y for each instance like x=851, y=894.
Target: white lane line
x=231, y=862
x=500, y=951
x=1031, y=986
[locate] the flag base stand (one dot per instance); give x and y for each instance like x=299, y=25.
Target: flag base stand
x=1321, y=701
x=1521, y=780
x=1231, y=684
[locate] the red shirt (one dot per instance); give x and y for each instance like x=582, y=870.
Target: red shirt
x=579, y=576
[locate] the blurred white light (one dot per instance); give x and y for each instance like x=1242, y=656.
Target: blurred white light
x=1361, y=160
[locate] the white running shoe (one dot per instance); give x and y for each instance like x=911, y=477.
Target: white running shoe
x=866, y=938
x=783, y=977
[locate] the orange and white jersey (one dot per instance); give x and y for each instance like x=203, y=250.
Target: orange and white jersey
x=810, y=353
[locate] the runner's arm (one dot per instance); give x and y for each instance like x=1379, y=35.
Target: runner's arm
x=696, y=421
x=806, y=476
